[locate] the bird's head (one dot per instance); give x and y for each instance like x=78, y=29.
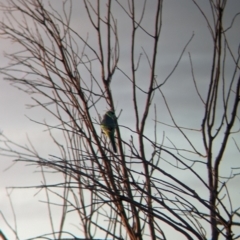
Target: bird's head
x=111, y=114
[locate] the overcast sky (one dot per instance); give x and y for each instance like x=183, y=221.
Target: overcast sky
x=180, y=20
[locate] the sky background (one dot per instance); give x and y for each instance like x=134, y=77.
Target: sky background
x=180, y=20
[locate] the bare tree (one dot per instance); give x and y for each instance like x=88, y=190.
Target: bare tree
x=136, y=191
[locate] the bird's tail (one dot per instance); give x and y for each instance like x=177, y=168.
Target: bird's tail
x=112, y=139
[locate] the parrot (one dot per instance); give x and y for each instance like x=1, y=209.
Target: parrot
x=108, y=126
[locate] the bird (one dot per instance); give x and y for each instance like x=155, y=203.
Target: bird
x=108, y=126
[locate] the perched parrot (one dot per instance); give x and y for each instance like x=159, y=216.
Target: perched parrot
x=108, y=126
